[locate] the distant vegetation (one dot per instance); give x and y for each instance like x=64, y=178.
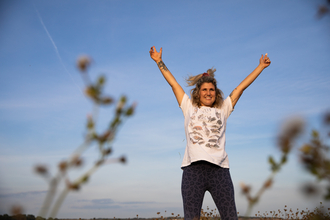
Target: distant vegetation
x=318, y=213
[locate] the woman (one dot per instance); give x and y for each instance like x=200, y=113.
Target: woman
x=205, y=163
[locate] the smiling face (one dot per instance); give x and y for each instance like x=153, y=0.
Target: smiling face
x=207, y=94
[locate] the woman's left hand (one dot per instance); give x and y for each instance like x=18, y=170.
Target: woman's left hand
x=264, y=61
x=156, y=56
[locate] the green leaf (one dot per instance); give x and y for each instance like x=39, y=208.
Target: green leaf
x=274, y=165
x=90, y=123
x=92, y=92
x=101, y=81
x=85, y=179
x=271, y=161
x=123, y=99
x=130, y=111
x=315, y=134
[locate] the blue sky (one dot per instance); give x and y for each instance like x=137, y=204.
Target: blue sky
x=43, y=109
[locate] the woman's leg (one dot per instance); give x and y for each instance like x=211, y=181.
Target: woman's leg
x=193, y=190
x=221, y=188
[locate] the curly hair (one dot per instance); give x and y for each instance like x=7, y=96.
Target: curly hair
x=198, y=80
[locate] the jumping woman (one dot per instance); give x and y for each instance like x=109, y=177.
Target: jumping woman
x=205, y=163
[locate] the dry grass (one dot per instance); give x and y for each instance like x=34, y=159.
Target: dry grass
x=319, y=213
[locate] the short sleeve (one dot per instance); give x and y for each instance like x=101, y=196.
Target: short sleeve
x=227, y=107
x=185, y=104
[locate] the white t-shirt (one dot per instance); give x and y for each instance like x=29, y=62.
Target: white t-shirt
x=205, y=129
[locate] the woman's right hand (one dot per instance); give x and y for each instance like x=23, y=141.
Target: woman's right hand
x=156, y=56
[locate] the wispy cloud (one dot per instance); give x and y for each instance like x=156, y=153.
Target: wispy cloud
x=106, y=204
x=23, y=194
x=38, y=102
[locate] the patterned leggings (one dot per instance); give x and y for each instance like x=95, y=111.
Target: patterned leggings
x=203, y=176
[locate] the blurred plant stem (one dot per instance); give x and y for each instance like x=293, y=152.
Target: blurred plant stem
x=314, y=157
x=93, y=91
x=288, y=135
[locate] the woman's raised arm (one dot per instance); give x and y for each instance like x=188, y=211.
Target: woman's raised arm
x=238, y=91
x=177, y=89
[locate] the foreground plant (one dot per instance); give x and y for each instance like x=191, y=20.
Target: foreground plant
x=286, y=140
x=314, y=157
x=103, y=142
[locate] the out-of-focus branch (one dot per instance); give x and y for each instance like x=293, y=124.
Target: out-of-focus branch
x=103, y=140
x=286, y=140
x=314, y=157
x=323, y=9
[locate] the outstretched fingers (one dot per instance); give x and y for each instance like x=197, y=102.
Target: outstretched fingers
x=156, y=56
x=265, y=59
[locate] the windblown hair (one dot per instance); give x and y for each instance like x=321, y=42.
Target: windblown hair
x=198, y=81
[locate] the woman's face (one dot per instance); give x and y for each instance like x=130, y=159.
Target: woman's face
x=207, y=94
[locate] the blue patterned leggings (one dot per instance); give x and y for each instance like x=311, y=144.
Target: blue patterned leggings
x=203, y=176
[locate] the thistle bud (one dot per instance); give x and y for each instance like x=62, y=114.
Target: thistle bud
x=291, y=130
x=310, y=189
x=122, y=159
x=107, y=151
x=323, y=9
x=41, y=169
x=120, y=107
x=76, y=161
x=63, y=166
x=90, y=122
x=245, y=189
x=306, y=149
x=92, y=92
x=83, y=63
x=107, y=100
x=74, y=186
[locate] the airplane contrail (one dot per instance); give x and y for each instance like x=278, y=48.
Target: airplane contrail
x=55, y=47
